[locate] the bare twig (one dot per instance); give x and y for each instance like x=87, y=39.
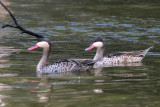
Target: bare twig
x=17, y=25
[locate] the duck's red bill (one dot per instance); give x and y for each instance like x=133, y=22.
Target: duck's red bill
x=34, y=47
x=90, y=47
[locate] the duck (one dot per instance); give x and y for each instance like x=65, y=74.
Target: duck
x=43, y=65
x=117, y=57
x=62, y=65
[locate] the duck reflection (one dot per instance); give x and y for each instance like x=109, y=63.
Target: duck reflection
x=46, y=85
x=42, y=88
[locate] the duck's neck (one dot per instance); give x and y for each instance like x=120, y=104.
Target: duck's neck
x=99, y=53
x=44, y=59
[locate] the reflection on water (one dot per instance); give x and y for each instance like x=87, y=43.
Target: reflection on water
x=8, y=75
x=5, y=51
x=43, y=89
x=4, y=87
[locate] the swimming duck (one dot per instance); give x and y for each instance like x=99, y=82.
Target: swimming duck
x=115, y=58
x=63, y=65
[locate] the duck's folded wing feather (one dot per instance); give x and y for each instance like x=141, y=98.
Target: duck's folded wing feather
x=140, y=53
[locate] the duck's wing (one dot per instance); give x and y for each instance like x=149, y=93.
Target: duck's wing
x=64, y=60
x=80, y=60
x=140, y=53
x=88, y=62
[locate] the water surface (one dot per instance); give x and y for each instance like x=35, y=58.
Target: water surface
x=71, y=25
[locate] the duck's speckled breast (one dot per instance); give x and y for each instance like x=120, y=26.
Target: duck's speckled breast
x=59, y=67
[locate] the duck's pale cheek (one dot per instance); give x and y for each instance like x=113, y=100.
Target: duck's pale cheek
x=43, y=44
x=98, y=44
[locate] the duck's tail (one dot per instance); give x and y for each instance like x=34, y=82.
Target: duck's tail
x=146, y=50
x=149, y=48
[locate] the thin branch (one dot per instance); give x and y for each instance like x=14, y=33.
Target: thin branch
x=17, y=25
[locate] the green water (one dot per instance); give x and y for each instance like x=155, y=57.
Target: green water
x=71, y=25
